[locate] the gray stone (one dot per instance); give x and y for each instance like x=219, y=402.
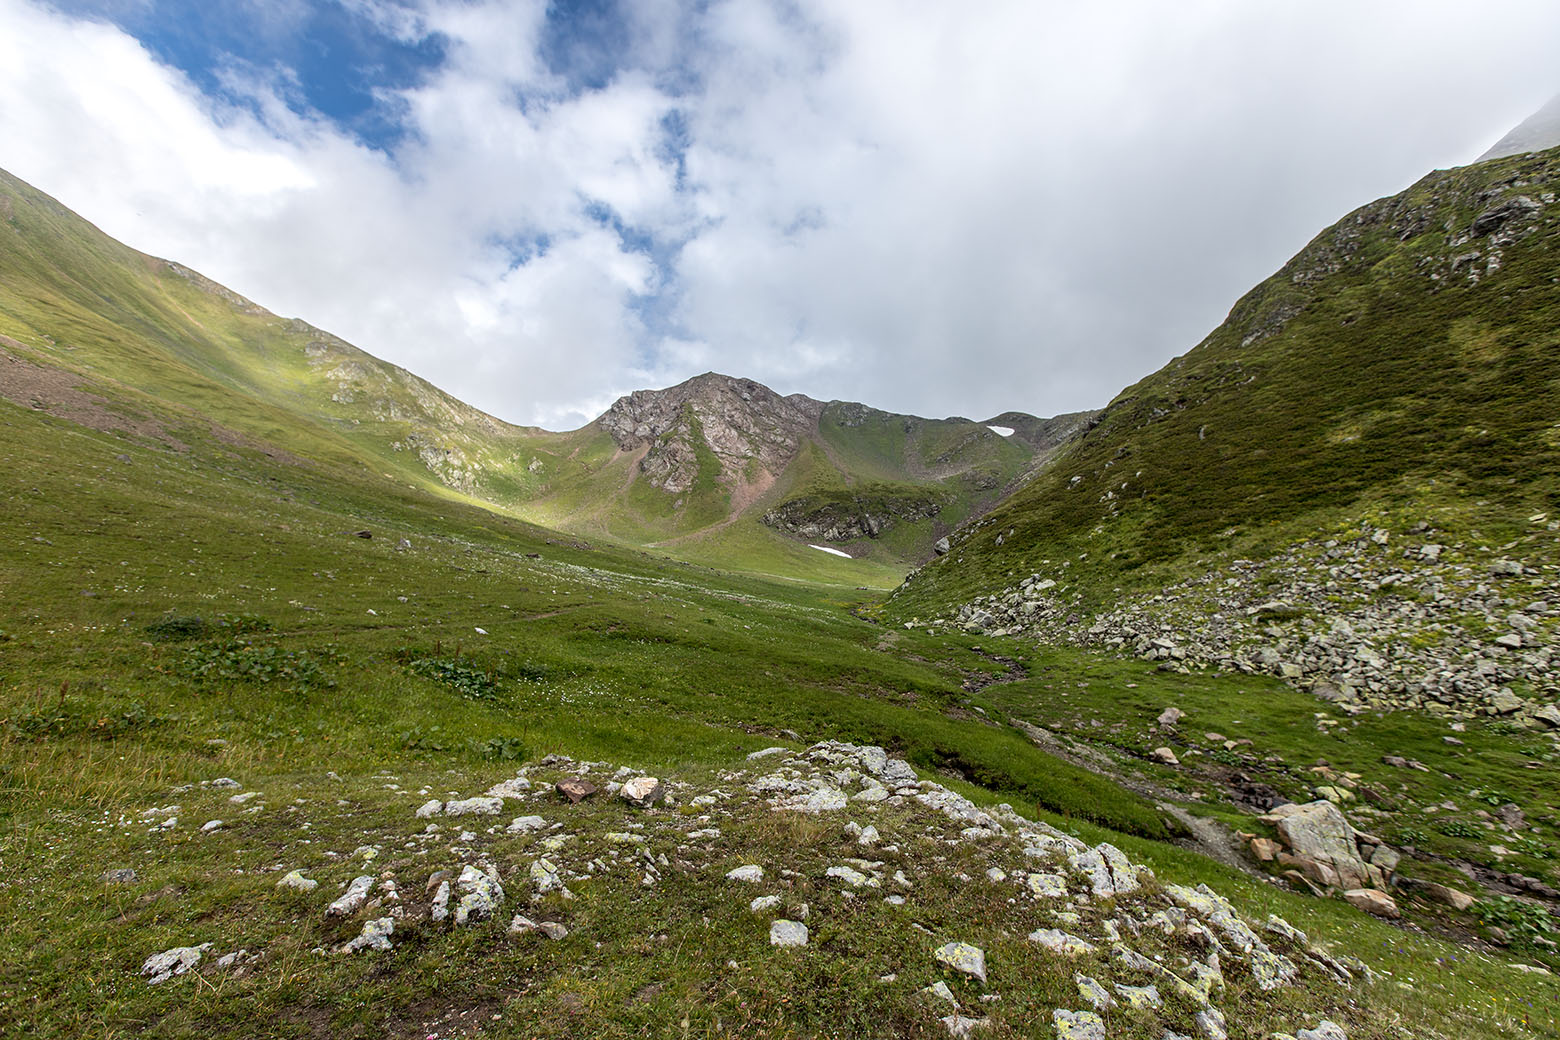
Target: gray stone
x=160, y=967
x=941, y=546
x=432, y=807
x=787, y=933
x=971, y=960
x=481, y=895
x=1060, y=942
x=1320, y=835
x=1324, y=1030
x=352, y=900
x=1372, y=901
x=478, y=806
x=1078, y=1025
x=375, y=936
x=525, y=824
x=121, y=876
x=750, y=873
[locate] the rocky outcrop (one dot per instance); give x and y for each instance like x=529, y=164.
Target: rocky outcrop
x=740, y=422
x=843, y=519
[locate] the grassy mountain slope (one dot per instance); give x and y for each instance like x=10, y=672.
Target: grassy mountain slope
x=1399, y=369
x=84, y=315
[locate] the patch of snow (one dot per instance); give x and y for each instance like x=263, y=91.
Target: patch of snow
x=825, y=548
x=1002, y=431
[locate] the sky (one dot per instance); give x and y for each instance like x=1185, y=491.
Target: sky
x=932, y=207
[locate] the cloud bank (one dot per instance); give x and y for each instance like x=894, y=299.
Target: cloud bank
x=934, y=208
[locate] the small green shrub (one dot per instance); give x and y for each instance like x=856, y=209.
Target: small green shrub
x=1459, y=829
x=1521, y=921
x=504, y=749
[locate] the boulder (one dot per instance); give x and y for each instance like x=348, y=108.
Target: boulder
x=1452, y=897
x=1322, y=843
x=160, y=967
x=1165, y=755
x=353, y=898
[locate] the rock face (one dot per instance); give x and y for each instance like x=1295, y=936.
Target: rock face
x=741, y=422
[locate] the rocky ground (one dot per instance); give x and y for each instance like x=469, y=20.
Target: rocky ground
x=1375, y=620
x=521, y=860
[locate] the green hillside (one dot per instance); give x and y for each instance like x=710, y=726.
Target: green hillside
x=91, y=316
x=1399, y=370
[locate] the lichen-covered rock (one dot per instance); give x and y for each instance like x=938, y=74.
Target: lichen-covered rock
x=295, y=880
x=1060, y=942
x=481, y=805
x=1078, y=1025
x=958, y=956
x=481, y=895
x=1109, y=871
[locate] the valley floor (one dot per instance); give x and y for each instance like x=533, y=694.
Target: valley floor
x=210, y=679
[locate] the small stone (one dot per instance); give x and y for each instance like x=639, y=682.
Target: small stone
x=1452, y=897
x=1169, y=717
x=763, y=903
x=1165, y=755
x=1324, y=1030
x=353, y=899
x=750, y=873
x=940, y=991
x=1210, y=1023
x=575, y=789
x=295, y=880
x=787, y=933
x=962, y=1028
x=642, y=792
x=160, y=967
x=478, y=806
x=375, y=936
x=958, y=956
x=525, y=825
x=517, y=787
x=121, y=876
x=1060, y=942
x=211, y=825
x=553, y=930
x=1091, y=990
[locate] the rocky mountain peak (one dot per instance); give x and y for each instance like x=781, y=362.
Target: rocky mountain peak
x=739, y=420
x=1538, y=132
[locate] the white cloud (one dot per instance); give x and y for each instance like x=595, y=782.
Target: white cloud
x=929, y=207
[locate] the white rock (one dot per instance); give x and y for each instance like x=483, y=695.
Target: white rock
x=294, y=879
x=211, y=825
x=518, y=787
x=1060, y=942
x=642, y=791
x=752, y=872
x=441, y=902
x=763, y=903
x=526, y=824
x=353, y=899
x=375, y=936
x=430, y=808
x=160, y=967
x=787, y=933
x=481, y=895
x=478, y=806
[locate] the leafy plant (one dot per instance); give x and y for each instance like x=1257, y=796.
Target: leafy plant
x=471, y=683
x=1459, y=829
x=1521, y=921
x=236, y=660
